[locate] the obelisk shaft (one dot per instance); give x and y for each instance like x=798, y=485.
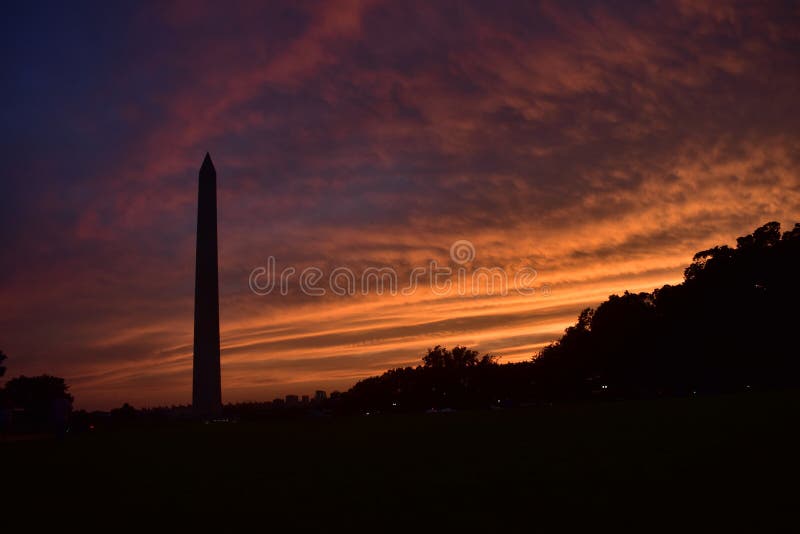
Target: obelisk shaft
x=206, y=386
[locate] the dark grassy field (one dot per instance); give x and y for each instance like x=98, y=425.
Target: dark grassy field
x=726, y=458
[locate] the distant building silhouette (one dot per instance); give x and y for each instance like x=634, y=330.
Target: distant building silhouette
x=206, y=384
x=320, y=396
x=292, y=400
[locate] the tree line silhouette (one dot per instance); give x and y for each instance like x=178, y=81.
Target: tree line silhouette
x=729, y=326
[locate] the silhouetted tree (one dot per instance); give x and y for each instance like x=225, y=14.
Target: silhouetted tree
x=124, y=414
x=43, y=398
x=459, y=357
x=5, y=413
x=447, y=379
x=436, y=357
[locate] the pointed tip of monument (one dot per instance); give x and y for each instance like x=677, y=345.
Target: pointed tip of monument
x=208, y=165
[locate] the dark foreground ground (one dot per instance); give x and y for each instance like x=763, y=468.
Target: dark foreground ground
x=699, y=462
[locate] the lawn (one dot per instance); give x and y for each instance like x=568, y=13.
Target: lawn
x=661, y=461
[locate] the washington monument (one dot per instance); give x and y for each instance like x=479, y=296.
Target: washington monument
x=206, y=384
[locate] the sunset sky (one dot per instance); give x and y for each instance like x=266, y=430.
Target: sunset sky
x=600, y=144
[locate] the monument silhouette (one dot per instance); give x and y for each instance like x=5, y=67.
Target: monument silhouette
x=206, y=383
